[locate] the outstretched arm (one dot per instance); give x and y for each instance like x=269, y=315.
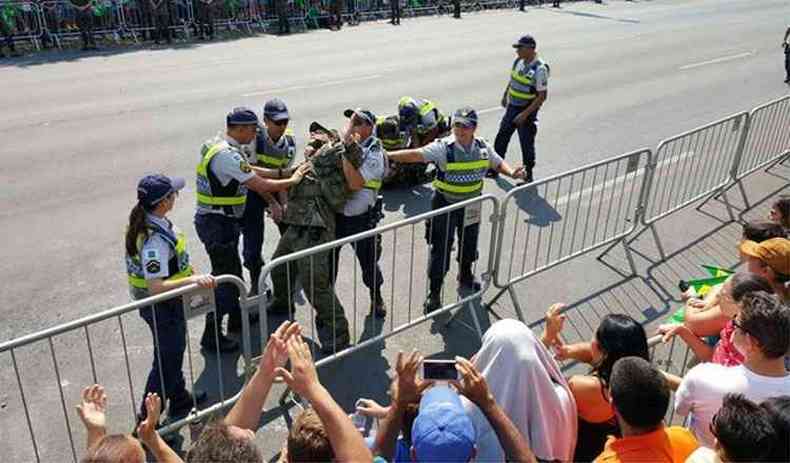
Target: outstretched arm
x=406, y=156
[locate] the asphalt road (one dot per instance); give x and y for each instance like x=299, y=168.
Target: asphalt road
x=78, y=131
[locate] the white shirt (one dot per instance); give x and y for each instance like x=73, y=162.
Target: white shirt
x=372, y=168
x=703, y=388
x=540, y=78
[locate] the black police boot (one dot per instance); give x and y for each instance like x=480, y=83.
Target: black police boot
x=467, y=279
x=433, y=302
x=332, y=342
x=255, y=275
x=210, y=342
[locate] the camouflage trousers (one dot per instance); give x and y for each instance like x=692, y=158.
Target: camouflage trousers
x=315, y=277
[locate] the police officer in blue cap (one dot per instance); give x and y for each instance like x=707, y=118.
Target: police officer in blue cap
x=275, y=148
x=524, y=96
x=462, y=161
x=157, y=261
x=224, y=175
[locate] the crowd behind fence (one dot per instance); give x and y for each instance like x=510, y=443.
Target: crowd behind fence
x=55, y=22
x=533, y=228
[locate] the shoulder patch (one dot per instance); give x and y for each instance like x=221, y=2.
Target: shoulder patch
x=153, y=266
x=152, y=254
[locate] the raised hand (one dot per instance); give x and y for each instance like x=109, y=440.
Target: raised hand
x=92, y=410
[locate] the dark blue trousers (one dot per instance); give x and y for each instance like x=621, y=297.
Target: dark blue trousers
x=440, y=234
x=220, y=235
x=526, y=135
x=169, y=333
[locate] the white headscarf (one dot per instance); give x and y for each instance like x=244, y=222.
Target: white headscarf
x=527, y=383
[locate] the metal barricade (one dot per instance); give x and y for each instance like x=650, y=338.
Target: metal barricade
x=65, y=20
x=768, y=141
x=673, y=357
x=399, y=244
x=692, y=166
x=546, y=223
x=142, y=18
x=22, y=22
x=95, y=349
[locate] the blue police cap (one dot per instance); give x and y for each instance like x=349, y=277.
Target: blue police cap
x=276, y=110
x=152, y=189
x=526, y=41
x=242, y=116
x=465, y=116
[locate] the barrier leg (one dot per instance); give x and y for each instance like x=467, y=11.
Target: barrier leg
x=656, y=238
x=488, y=304
x=729, y=206
x=516, y=304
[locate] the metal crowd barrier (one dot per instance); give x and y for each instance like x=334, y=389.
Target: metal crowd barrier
x=546, y=223
x=22, y=21
x=100, y=336
x=673, y=357
x=63, y=20
x=768, y=141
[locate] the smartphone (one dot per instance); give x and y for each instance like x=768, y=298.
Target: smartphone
x=439, y=370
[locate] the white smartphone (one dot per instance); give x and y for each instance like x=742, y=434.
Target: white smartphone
x=439, y=370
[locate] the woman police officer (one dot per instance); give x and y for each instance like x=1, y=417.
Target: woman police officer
x=157, y=261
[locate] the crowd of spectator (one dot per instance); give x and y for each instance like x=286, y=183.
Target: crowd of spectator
x=512, y=401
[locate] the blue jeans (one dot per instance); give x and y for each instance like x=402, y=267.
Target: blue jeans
x=220, y=236
x=526, y=135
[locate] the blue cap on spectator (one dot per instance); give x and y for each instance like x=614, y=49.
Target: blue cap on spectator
x=526, y=41
x=466, y=117
x=242, y=116
x=442, y=431
x=152, y=189
x=364, y=114
x=276, y=110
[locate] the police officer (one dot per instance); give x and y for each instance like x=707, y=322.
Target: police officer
x=422, y=120
x=162, y=16
x=204, y=19
x=362, y=212
x=223, y=177
x=157, y=261
x=524, y=95
x=462, y=161
x=275, y=148
x=786, y=45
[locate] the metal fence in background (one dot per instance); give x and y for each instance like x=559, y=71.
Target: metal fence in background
x=554, y=220
x=23, y=21
x=768, y=140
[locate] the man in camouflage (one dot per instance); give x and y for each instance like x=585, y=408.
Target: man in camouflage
x=310, y=217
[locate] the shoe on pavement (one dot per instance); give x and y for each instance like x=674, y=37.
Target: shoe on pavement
x=209, y=342
x=378, y=309
x=184, y=405
x=433, y=302
x=467, y=280
x=331, y=346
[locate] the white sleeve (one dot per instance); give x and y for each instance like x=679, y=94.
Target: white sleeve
x=155, y=257
x=435, y=152
x=684, y=396
x=541, y=79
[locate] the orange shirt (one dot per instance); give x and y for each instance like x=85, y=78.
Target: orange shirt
x=666, y=444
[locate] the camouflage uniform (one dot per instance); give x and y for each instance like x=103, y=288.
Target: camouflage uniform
x=310, y=216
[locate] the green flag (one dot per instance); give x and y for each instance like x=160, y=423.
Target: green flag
x=717, y=271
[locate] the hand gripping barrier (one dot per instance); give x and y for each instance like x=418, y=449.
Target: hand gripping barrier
x=36, y=403
x=548, y=222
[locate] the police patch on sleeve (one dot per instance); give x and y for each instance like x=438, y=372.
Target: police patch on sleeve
x=153, y=266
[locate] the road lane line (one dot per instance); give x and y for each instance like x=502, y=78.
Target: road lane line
x=306, y=87
x=717, y=60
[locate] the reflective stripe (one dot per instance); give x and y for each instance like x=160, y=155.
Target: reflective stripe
x=373, y=184
x=202, y=168
x=221, y=200
x=450, y=188
x=427, y=107
x=468, y=165
x=271, y=161
x=523, y=96
x=524, y=80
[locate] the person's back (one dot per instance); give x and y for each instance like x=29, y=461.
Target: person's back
x=640, y=397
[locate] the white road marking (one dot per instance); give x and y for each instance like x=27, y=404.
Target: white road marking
x=490, y=110
x=717, y=60
x=305, y=87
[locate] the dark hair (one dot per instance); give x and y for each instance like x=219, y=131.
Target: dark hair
x=743, y=283
x=639, y=392
x=743, y=429
x=308, y=440
x=618, y=336
x=216, y=445
x=778, y=409
x=135, y=228
x=114, y=448
x=783, y=206
x=763, y=230
x=767, y=320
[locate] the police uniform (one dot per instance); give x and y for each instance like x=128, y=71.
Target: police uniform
x=312, y=208
x=460, y=177
x=162, y=254
x=395, y=12
x=428, y=118
x=526, y=80
x=272, y=155
x=221, y=197
x=360, y=214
